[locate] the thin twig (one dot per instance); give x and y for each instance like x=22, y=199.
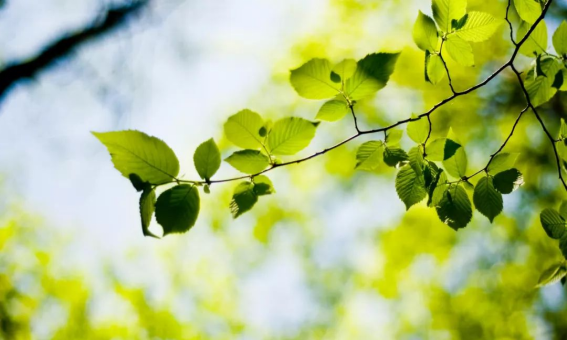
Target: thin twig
x=510, y=23
x=446, y=67
x=547, y=133
x=509, y=63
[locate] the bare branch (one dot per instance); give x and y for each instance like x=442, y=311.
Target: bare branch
x=63, y=46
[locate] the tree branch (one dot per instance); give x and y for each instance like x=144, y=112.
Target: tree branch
x=509, y=63
x=62, y=47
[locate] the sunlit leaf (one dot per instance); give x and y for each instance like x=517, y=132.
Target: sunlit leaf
x=479, y=27
x=418, y=130
x=445, y=11
x=537, y=41
x=312, y=80
x=541, y=88
x=529, y=10
x=425, y=33
x=248, y=161
x=560, y=39
x=434, y=69
x=459, y=50
x=393, y=137
x=291, y=135
x=345, y=69
x=455, y=165
x=207, y=159
x=372, y=74
x=369, y=156
x=134, y=152
x=243, y=129
x=333, y=110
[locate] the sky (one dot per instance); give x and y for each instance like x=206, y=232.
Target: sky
x=177, y=72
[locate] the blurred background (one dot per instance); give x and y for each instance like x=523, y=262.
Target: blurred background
x=332, y=255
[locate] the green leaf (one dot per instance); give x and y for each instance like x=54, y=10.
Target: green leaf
x=137, y=182
x=333, y=110
x=553, y=274
x=248, y=161
x=479, y=27
x=563, y=209
x=456, y=165
x=372, y=74
x=410, y=186
x=243, y=199
x=394, y=136
x=425, y=33
x=291, y=135
x=502, y=161
x=437, y=189
x=441, y=149
x=563, y=245
x=177, y=209
x=345, y=69
x=445, y=11
x=263, y=186
x=243, y=129
x=393, y=156
x=563, y=129
x=312, y=80
x=553, y=223
x=147, y=207
x=459, y=50
x=560, y=39
x=528, y=10
x=418, y=130
x=369, y=156
x=207, y=159
x=508, y=181
x=455, y=208
x=416, y=161
x=540, y=88
x=458, y=24
x=134, y=152
x=536, y=43
x=486, y=199
x=434, y=69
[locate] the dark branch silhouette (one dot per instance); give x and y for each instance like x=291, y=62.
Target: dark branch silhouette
x=63, y=46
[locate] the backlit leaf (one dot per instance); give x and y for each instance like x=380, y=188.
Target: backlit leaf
x=536, y=43
x=479, y=27
x=243, y=129
x=509, y=180
x=248, y=161
x=333, y=110
x=312, y=80
x=369, y=156
x=459, y=50
x=425, y=33
x=291, y=135
x=134, y=152
x=445, y=11
x=372, y=74
x=207, y=159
